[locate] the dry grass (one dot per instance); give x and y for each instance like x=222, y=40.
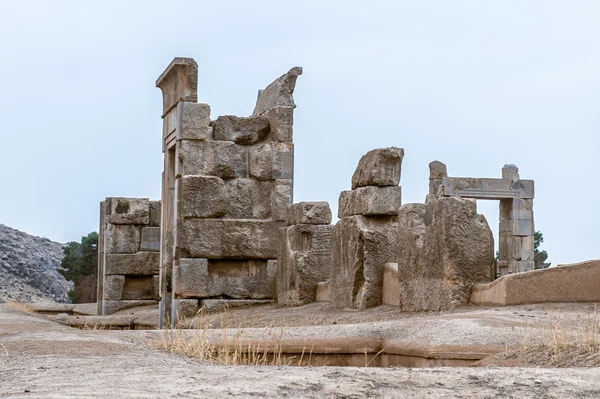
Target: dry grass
x=22, y=307
x=231, y=347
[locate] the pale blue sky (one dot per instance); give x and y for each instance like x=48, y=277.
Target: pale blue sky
x=475, y=84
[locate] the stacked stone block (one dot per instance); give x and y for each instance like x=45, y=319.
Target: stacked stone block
x=129, y=245
x=364, y=239
x=226, y=188
x=305, y=254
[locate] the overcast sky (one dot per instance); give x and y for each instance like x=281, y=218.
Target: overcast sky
x=475, y=84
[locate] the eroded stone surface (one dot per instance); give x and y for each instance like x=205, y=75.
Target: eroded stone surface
x=128, y=210
x=241, y=130
x=203, y=196
x=371, y=200
x=141, y=263
x=280, y=93
x=195, y=121
x=122, y=239
x=316, y=212
x=379, y=167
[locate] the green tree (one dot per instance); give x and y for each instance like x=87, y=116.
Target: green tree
x=80, y=265
x=539, y=257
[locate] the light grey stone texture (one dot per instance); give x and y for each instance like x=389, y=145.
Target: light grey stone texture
x=283, y=160
x=379, y=167
x=361, y=247
x=483, y=188
x=110, y=307
x=523, y=227
x=128, y=210
x=141, y=263
x=279, y=93
x=155, y=214
x=317, y=212
x=183, y=309
x=179, y=82
x=150, y=239
x=304, y=261
x=444, y=248
x=248, y=199
x=121, y=238
x=272, y=161
x=282, y=198
x=194, y=121
x=510, y=172
x=203, y=196
x=437, y=171
x=281, y=121
x=229, y=239
x=113, y=287
x=206, y=278
x=223, y=159
x=370, y=201
x=241, y=130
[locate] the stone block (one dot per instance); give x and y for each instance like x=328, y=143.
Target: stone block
x=241, y=130
x=527, y=248
x=150, y=239
x=361, y=248
x=304, y=261
x=121, y=238
x=222, y=305
x=223, y=159
x=520, y=204
x=371, y=201
x=522, y=227
x=138, y=287
x=260, y=160
x=209, y=278
x=283, y=160
x=156, y=287
x=510, y=172
x=182, y=309
x=521, y=214
x=515, y=246
x=442, y=257
x=248, y=199
x=179, y=82
x=113, y=287
x=202, y=197
x=194, y=122
x=280, y=93
x=155, y=214
x=317, y=212
x=437, y=170
x=281, y=121
x=391, y=286
x=226, y=238
x=141, y=263
x=379, y=167
x=128, y=211
x=110, y=307
x=323, y=291
x=282, y=198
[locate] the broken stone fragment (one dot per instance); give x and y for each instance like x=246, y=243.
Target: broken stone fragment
x=203, y=196
x=379, y=167
x=280, y=93
x=370, y=201
x=155, y=213
x=128, y=210
x=241, y=130
x=194, y=122
x=317, y=212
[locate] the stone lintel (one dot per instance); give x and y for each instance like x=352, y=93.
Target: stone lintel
x=179, y=82
x=485, y=188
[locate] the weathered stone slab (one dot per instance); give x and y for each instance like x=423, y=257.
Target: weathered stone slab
x=226, y=238
x=141, y=263
x=379, y=167
x=182, y=309
x=121, y=238
x=282, y=198
x=304, y=260
x=223, y=159
x=138, y=287
x=523, y=227
x=155, y=213
x=194, y=121
x=272, y=161
x=361, y=248
x=110, y=307
x=281, y=121
x=444, y=248
x=371, y=200
x=128, y=210
x=179, y=82
x=437, y=171
x=280, y=93
x=317, y=212
x=391, y=286
x=241, y=130
x=113, y=288
x=222, y=305
x=204, y=278
x=203, y=197
x=483, y=188
x=510, y=172
x=150, y=239
x=248, y=199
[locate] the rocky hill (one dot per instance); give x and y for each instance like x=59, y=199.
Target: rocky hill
x=28, y=268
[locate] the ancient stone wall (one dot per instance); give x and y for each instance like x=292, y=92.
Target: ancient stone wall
x=305, y=254
x=364, y=239
x=128, y=253
x=226, y=187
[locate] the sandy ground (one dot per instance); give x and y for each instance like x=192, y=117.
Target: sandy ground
x=42, y=359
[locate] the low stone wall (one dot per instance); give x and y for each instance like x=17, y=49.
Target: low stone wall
x=565, y=283
x=128, y=261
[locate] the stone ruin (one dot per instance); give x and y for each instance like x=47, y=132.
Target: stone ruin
x=128, y=253
x=230, y=232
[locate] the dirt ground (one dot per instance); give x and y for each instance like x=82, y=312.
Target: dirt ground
x=43, y=359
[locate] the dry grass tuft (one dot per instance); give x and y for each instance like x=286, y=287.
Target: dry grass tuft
x=22, y=307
